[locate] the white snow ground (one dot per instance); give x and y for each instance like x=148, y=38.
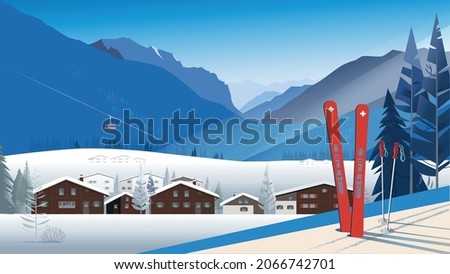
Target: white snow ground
x=234, y=176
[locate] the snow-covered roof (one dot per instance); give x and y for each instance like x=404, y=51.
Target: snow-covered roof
x=232, y=198
x=139, y=158
x=125, y=156
x=305, y=186
x=109, y=200
x=92, y=158
x=136, y=176
x=185, y=179
x=72, y=180
x=98, y=173
x=167, y=187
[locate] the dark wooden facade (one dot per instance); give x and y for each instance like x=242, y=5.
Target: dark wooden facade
x=182, y=198
x=121, y=204
x=243, y=201
x=70, y=197
x=315, y=199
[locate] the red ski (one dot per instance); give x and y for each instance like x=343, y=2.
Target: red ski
x=359, y=173
x=332, y=121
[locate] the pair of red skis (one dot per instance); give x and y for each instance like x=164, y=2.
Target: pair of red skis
x=350, y=220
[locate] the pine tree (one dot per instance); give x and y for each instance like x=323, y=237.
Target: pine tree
x=393, y=131
x=207, y=183
x=116, y=184
x=150, y=190
x=267, y=194
x=431, y=140
x=408, y=92
x=218, y=191
x=6, y=186
x=166, y=180
x=194, y=152
x=140, y=194
x=173, y=175
x=18, y=189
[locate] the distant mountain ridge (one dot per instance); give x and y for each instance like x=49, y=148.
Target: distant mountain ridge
x=206, y=84
x=243, y=92
x=277, y=102
x=260, y=99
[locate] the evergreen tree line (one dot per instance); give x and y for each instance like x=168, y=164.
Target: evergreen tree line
x=424, y=134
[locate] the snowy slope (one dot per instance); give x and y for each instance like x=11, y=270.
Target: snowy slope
x=234, y=176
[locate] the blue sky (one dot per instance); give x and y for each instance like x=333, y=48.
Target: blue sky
x=261, y=40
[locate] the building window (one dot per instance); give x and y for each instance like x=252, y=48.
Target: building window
x=127, y=205
x=240, y=201
x=96, y=203
x=291, y=197
x=106, y=187
x=129, y=188
x=186, y=193
x=279, y=207
x=66, y=204
x=313, y=196
x=116, y=206
x=159, y=204
x=186, y=204
x=312, y=205
x=246, y=201
x=207, y=205
x=324, y=190
x=106, y=182
x=127, y=199
x=123, y=188
x=129, y=182
x=86, y=190
x=175, y=205
x=73, y=191
x=305, y=196
x=304, y=205
x=61, y=192
x=334, y=196
x=175, y=193
x=43, y=204
x=243, y=209
x=290, y=207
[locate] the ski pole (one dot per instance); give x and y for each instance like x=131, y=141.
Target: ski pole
x=394, y=156
x=383, y=153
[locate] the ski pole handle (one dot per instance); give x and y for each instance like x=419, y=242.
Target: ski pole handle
x=395, y=150
x=381, y=148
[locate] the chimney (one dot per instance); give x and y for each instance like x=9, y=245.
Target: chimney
x=81, y=178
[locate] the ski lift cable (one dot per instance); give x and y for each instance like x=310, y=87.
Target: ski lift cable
x=77, y=100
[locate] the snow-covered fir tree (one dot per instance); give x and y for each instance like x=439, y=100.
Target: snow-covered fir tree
x=6, y=186
x=267, y=194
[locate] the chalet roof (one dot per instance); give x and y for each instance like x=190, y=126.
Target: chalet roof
x=232, y=198
x=92, y=158
x=186, y=179
x=125, y=156
x=72, y=180
x=98, y=173
x=115, y=197
x=306, y=186
x=135, y=176
x=198, y=188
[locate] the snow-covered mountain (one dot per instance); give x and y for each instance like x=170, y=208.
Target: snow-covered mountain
x=206, y=84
